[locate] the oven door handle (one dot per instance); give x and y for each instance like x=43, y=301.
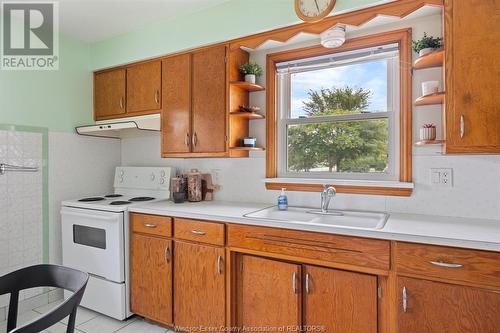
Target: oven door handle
x=95, y=217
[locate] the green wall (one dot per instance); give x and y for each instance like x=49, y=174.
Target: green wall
x=58, y=100
x=235, y=18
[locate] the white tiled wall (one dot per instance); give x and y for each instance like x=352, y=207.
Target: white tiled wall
x=21, y=219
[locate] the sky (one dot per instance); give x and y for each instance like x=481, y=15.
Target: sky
x=368, y=75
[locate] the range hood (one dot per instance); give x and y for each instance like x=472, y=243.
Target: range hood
x=122, y=128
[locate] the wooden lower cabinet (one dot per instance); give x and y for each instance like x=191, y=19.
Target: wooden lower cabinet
x=151, y=277
x=199, y=287
x=434, y=307
x=339, y=301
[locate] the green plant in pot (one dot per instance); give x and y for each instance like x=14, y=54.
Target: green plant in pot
x=427, y=44
x=251, y=70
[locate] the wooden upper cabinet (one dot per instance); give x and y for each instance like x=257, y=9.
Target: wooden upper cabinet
x=151, y=277
x=209, y=90
x=268, y=294
x=144, y=87
x=433, y=307
x=109, y=94
x=472, y=66
x=340, y=301
x=176, y=114
x=199, y=284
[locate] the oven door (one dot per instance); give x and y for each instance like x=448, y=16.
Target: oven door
x=93, y=241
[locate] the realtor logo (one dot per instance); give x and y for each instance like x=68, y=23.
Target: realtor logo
x=29, y=36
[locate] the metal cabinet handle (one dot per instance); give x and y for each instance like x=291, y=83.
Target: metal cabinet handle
x=157, y=97
x=445, y=264
x=462, y=126
x=186, y=139
x=198, y=232
x=121, y=103
x=219, y=264
x=294, y=282
x=149, y=225
x=195, y=139
x=167, y=254
x=405, y=300
x=307, y=283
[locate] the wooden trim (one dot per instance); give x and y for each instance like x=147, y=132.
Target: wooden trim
x=403, y=38
x=348, y=189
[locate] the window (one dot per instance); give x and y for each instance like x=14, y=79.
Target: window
x=338, y=115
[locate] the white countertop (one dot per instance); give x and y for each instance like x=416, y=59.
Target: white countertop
x=471, y=233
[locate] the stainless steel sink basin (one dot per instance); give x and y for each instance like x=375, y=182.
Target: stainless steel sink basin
x=335, y=218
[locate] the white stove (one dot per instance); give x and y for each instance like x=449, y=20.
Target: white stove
x=95, y=235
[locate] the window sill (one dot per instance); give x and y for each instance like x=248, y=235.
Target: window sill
x=382, y=187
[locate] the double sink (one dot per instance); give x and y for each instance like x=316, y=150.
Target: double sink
x=331, y=218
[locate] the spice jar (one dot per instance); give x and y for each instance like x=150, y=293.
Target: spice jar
x=194, y=186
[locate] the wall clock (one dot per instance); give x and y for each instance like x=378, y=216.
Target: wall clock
x=313, y=10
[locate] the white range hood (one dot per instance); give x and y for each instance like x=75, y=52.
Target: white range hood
x=123, y=127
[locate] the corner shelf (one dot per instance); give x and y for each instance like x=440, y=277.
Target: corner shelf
x=429, y=142
x=437, y=98
x=247, y=148
x=433, y=59
x=247, y=115
x=247, y=86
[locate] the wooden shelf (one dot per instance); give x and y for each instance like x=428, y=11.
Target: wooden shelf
x=247, y=86
x=248, y=148
x=248, y=115
x=437, y=98
x=429, y=142
x=433, y=59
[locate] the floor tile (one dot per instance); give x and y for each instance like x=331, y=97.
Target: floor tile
x=104, y=324
x=82, y=316
x=22, y=319
x=48, y=307
x=142, y=326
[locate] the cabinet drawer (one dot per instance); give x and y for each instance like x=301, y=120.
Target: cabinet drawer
x=356, y=251
x=199, y=231
x=151, y=224
x=472, y=266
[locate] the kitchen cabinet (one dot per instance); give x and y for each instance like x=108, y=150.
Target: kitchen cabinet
x=199, y=284
x=472, y=59
x=151, y=277
x=144, y=87
x=195, y=113
x=340, y=301
x=269, y=295
x=434, y=307
x=109, y=94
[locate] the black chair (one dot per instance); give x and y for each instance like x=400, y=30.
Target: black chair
x=44, y=276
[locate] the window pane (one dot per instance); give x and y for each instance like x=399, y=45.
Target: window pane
x=346, y=146
x=358, y=88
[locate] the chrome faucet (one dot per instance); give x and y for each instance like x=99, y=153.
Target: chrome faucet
x=327, y=194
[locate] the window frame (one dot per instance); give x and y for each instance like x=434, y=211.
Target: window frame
x=403, y=125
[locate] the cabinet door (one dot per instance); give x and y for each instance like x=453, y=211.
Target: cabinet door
x=144, y=87
x=472, y=76
x=433, y=307
x=269, y=295
x=109, y=94
x=176, y=114
x=151, y=277
x=340, y=301
x=199, y=284
x=209, y=100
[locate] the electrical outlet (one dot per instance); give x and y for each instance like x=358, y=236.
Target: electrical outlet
x=216, y=178
x=442, y=177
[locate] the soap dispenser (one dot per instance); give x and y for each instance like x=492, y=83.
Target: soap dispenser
x=282, y=200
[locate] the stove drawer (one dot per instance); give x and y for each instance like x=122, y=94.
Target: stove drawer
x=151, y=224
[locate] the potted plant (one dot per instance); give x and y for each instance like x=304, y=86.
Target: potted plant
x=251, y=70
x=428, y=132
x=426, y=44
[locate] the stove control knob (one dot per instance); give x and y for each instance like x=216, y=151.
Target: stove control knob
x=162, y=173
x=162, y=180
x=122, y=173
x=121, y=179
x=153, y=177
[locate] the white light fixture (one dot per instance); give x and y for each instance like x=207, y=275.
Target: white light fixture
x=333, y=37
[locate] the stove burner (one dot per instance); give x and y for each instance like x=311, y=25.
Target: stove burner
x=113, y=196
x=91, y=199
x=119, y=203
x=142, y=199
